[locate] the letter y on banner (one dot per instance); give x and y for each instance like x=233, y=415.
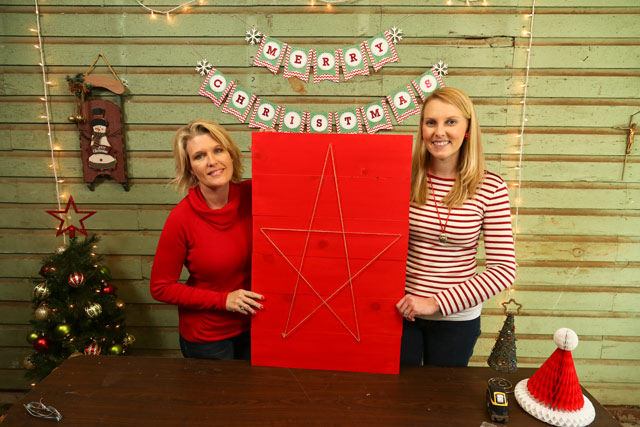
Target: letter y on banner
x=381, y=50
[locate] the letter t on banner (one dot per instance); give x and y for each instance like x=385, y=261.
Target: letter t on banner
x=330, y=236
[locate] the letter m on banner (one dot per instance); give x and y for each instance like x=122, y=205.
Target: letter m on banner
x=270, y=54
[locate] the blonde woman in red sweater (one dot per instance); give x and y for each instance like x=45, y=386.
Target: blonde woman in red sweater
x=210, y=233
x=453, y=201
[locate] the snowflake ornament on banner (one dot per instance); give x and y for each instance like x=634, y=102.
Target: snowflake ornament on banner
x=396, y=34
x=253, y=36
x=203, y=67
x=441, y=68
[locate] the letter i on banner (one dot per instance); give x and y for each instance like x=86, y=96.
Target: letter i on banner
x=216, y=86
x=354, y=61
x=376, y=116
x=427, y=83
x=403, y=103
x=297, y=63
x=270, y=54
x=381, y=50
x=239, y=103
x=320, y=123
x=264, y=115
x=326, y=65
x=293, y=120
x=348, y=121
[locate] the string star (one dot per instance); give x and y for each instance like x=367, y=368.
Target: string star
x=68, y=218
x=346, y=285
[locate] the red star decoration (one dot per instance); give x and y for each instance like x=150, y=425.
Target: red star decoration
x=326, y=293
x=65, y=217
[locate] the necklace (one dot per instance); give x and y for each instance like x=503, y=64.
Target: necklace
x=443, y=236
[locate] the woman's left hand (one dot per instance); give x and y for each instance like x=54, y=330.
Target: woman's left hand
x=410, y=306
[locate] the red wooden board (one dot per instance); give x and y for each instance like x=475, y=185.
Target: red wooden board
x=330, y=233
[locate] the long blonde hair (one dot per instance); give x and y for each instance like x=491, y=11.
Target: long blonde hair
x=470, y=171
x=184, y=179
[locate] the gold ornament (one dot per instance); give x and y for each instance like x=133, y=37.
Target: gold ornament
x=41, y=291
x=128, y=340
x=42, y=313
x=115, y=349
x=93, y=310
x=27, y=363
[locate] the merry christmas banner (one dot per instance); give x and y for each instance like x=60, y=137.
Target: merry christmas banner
x=354, y=60
x=370, y=118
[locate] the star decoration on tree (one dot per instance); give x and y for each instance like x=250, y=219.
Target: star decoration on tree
x=67, y=218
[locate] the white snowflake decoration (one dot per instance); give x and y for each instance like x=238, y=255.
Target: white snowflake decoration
x=203, y=67
x=253, y=36
x=396, y=34
x=441, y=68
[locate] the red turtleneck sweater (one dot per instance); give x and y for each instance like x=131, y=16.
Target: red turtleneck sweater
x=215, y=247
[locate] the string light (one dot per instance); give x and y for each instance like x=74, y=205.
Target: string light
x=184, y=6
x=468, y=2
x=45, y=99
x=520, y=135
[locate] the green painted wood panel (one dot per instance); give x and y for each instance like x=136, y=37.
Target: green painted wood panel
x=578, y=242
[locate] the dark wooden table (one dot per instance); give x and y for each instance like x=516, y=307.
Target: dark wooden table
x=136, y=391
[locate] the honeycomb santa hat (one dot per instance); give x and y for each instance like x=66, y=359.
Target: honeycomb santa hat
x=553, y=393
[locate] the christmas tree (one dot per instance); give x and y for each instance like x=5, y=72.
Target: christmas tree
x=75, y=309
x=503, y=356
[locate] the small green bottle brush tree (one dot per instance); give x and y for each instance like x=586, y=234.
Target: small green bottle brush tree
x=76, y=310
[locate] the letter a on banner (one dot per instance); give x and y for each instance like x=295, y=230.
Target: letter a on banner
x=381, y=50
x=216, y=86
x=270, y=54
x=403, y=103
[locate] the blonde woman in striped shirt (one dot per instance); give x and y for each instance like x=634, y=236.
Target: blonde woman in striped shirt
x=453, y=201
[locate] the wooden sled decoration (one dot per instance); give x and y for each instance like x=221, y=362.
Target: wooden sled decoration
x=100, y=125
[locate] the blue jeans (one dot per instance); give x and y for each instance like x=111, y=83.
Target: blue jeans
x=438, y=342
x=234, y=348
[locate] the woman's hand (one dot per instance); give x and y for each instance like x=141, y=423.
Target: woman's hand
x=411, y=306
x=243, y=301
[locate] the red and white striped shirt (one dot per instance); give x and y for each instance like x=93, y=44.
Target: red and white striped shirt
x=447, y=271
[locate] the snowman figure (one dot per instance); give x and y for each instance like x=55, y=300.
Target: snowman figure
x=101, y=158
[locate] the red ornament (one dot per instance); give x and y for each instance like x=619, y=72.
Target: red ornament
x=46, y=270
x=92, y=349
x=41, y=344
x=65, y=217
x=108, y=289
x=76, y=280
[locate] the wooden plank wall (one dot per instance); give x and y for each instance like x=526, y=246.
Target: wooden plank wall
x=578, y=244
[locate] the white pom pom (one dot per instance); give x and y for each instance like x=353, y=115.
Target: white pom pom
x=566, y=339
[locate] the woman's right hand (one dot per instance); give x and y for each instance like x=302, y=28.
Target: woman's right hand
x=243, y=301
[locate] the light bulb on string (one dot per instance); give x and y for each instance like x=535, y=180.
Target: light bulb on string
x=153, y=15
